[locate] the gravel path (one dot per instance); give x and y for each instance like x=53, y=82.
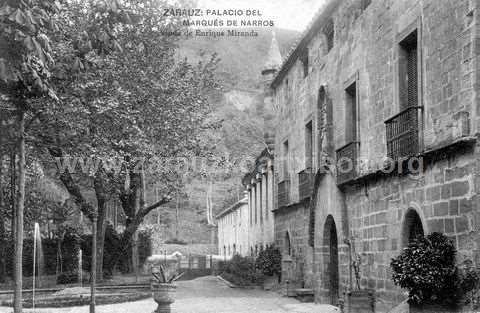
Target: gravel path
x=207, y=295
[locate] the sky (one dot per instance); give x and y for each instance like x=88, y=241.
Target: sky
x=289, y=14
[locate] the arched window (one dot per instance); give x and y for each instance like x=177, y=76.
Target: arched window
x=329, y=31
x=412, y=227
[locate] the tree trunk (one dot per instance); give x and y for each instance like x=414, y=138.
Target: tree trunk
x=93, y=271
x=13, y=188
x=132, y=226
x=3, y=265
x=17, y=299
x=101, y=227
x=100, y=193
x=59, y=267
x=140, y=206
x=176, y=218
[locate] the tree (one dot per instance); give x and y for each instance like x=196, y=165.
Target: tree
x=125, y=98
x=426, y=268
x=24, y=72
x=3, y=211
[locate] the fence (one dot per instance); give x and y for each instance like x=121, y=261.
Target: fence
x=193, y=266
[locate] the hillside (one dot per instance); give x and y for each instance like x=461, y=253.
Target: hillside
x=241, y=57
x=241, y=134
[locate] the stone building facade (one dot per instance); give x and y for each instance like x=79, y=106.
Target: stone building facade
x=233, y=230
x=260, y=193
x=376, y=140
x=246, y=228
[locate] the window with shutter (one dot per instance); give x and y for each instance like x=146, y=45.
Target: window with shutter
x=351, y=113
x=408, y=71
x=403, y=129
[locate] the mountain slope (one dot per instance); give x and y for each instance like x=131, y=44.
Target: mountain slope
x=240, y=137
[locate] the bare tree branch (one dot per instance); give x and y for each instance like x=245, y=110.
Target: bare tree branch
x=73, y=188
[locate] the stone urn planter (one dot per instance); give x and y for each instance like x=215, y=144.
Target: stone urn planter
x=360, y=301
x=164, y=296
x=163, y=289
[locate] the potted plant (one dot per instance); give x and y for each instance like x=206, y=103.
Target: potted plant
x=163, y=289
x=426, y=268
x=358, y=300
x=469, y=285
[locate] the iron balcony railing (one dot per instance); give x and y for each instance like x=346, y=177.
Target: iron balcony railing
x=305, y=183
x=347, y=161
x=403, y=131
x=283, y=193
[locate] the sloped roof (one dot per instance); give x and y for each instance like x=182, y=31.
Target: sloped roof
x=232, y=208
x=318, y=22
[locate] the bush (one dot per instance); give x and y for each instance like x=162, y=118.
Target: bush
x=175, y=241
x=469, y=283
x=72, y=242
x=67, y=278
x=242, y=281
x=50, y=260
x=426, y=268
x=242, y=271
x=269, y=261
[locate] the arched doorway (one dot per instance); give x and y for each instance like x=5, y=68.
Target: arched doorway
x=412, y=227
x=288, y=244
x=330, y=243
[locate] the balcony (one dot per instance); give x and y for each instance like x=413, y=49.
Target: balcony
x=283, y=193
x=305, y=184
x=347, y=159
x=403, y=133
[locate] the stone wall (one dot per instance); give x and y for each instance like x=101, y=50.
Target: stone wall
x=444, y=197
x=366, y=50
x=369, y=216
x=291, y=224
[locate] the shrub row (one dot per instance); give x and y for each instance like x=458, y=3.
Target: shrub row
x=66, y=262
x=248, y=271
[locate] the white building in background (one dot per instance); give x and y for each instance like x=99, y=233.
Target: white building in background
x=233, y=229
x=260, y=193
x=246, y=227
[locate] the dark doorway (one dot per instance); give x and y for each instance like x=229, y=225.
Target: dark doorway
x=331, y=244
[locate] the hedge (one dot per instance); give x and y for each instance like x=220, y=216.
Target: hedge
x=71, y=244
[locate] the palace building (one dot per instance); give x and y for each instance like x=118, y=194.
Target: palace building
x=376, y=130
x=372, y=125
